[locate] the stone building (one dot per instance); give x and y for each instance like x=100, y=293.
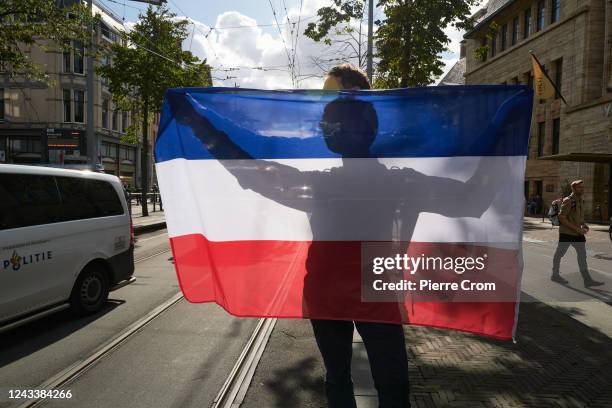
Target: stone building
x=46, y=125
x=572, y=39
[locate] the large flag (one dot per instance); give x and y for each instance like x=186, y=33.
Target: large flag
x=352, y=205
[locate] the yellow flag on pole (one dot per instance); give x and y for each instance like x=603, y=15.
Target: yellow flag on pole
x=543, y=86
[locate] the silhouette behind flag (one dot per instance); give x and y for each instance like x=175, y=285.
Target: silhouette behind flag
x=273, y=197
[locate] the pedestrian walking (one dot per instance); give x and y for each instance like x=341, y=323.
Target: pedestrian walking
x=572, y=232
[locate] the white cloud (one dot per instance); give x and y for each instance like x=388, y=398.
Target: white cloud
x=237, y=53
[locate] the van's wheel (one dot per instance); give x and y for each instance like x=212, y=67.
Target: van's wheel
x=90, y=291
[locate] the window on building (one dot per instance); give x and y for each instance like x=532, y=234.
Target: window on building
x=79, y=57
x=504, y=37
x=128, y=153
x=105, y=103
x=107, y=32
x=493, y=46
x=532, y=79
x=529, y=79
x=115, y=119
x=105, y=149
x=79, y=106
x=558, y=76
x=25, y=145
x=105, y=61
x=1, y=104
x=104, y=30
x=124, y=121
x=67, y=97
x=67, y=60
x=515, y=30
x=555, y=11
x=541, y=15
x=109, y=150
x=541, y=138
x=527, y=23
x=556, y=135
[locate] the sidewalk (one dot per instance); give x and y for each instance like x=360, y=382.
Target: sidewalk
x=556, y=362
x=156, y=220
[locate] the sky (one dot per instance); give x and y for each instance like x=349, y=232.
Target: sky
x=246, y=47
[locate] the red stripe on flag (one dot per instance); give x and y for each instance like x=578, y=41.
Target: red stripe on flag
x=322, y=280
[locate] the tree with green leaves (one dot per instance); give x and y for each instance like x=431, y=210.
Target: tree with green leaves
x=409, y=38
x=49, y=24
x=145, y=65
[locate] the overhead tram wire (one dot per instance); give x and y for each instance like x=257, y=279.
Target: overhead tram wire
x=291, y=29
x=198, y=29
x=284, y=43
x=126, y=5
x=226, y=69
x=297, y=36
x=282, y=68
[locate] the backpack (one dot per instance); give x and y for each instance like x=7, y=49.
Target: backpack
x=553, y=215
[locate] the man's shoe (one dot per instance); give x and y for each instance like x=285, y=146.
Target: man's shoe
x=558, y=279
x=592, y=283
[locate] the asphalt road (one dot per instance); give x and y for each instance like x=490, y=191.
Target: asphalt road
x=182, y=356
x=591, y=306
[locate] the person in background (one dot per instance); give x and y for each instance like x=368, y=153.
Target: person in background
x=572, y=232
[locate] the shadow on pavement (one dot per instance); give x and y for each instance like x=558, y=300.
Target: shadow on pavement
x=37, y=335
x=556, y=362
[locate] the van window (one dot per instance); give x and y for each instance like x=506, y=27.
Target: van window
x=28, y=199
x=85, y=198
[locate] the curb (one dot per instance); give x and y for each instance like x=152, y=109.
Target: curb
x=154, y=226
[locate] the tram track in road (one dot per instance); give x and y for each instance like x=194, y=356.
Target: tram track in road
x=231, y=393
x=72, y=372
x=237, y=383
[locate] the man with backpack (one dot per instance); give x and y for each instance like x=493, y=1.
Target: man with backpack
x=553, y=211
x=572, y=231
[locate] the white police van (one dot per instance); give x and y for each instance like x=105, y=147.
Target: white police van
x=66, y=239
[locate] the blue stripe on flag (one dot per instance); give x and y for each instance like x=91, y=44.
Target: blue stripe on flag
x=443, y=121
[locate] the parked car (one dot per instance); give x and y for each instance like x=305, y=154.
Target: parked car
x=66, y=240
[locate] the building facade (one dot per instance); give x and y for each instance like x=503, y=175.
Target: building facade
x=46, y=125
x=572, y=39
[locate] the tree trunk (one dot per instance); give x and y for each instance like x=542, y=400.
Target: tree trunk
x=144, y=160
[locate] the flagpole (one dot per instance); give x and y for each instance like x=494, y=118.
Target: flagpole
x=544, y=73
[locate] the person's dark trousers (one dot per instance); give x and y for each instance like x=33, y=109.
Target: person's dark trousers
x=579, y=244
x=386, y=350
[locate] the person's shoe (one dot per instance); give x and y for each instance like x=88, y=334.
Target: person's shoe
x=592, y=283
x=558, y=279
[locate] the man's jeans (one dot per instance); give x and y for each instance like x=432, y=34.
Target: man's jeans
x=579, y=244
x=386, y=350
